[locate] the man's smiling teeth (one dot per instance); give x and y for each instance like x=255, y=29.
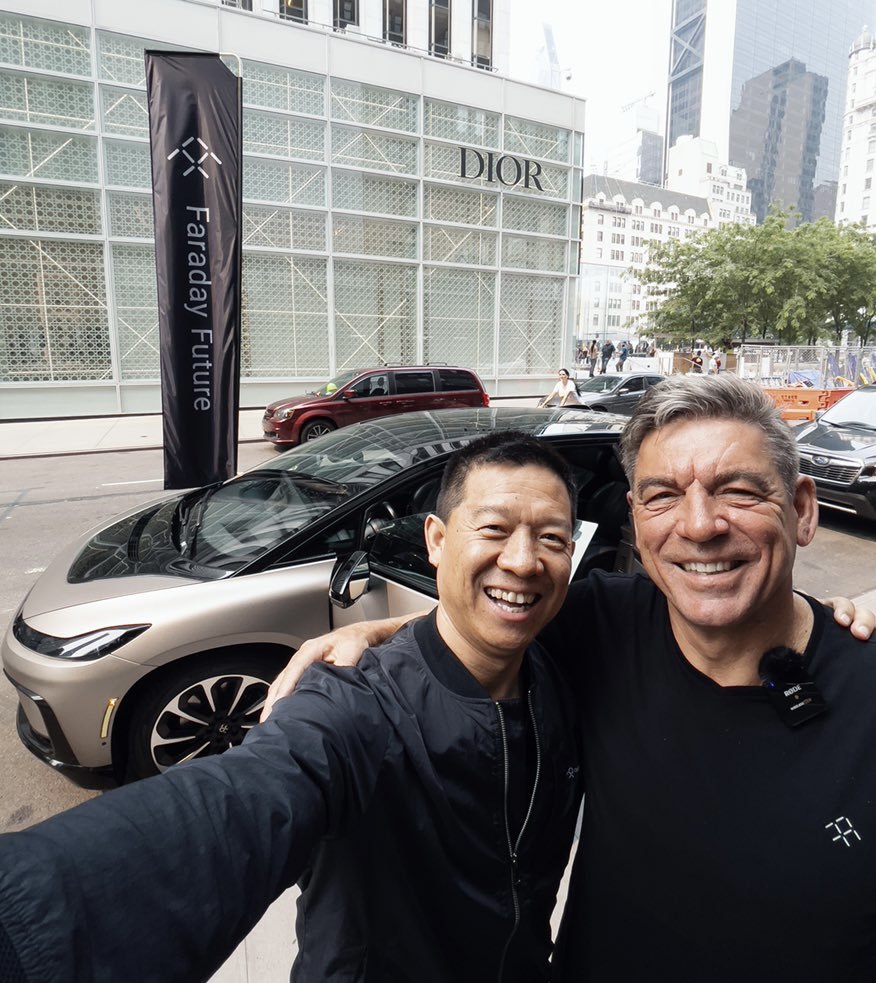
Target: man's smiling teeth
x=511, y=597
x=708, y=567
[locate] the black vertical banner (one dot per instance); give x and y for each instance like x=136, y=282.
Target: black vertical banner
x=195, y=136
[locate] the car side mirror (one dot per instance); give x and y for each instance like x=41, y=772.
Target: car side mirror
x=349, y=579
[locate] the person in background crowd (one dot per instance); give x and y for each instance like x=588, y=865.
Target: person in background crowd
x=623, y=355
x=696, y=363
x=565, y=392
x=605, y=354
x=593, y=356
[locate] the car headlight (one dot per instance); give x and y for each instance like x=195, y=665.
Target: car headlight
x=286, y=413
x=81, y=648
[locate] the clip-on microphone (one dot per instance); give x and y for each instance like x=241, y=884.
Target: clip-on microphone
x=790, y=688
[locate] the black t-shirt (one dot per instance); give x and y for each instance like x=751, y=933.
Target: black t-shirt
x=717, y=843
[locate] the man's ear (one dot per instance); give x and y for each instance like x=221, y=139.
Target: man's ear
x=806, y=507
x=434, y=530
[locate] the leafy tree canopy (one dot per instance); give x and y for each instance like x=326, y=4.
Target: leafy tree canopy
x=794, y=284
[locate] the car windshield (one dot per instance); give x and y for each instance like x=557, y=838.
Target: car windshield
x=214, y=531
x=598, y=384
x=333, y=385
x=858, y=409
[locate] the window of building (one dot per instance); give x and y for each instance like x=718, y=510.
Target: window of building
x=294, y=10
x=656, y=212
x=844, y=189
x=346, y=13
x=439, y=28
x=708, y=168
x=600, y=219
x=599, y=254
x=637, y=209
x=617, y=238
x=599, y=236
x=482, y=34
x=596, y=302
x=871, y=146
x=657, y=227
x=618, y=221
x=866, y=202
x=617, y=254
x=869, y=165
x=867, y=183
x=394, y=21
x=863, y=219
x=595, y=319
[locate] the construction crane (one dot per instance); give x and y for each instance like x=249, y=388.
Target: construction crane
x=636, y=102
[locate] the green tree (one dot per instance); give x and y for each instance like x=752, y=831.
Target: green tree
x=770, y=281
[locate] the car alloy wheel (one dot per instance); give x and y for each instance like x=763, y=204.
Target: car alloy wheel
x=316, y=428
x=204, y=709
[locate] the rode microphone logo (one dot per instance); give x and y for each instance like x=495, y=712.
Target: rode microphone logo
x=504, y=168
x=194, y=162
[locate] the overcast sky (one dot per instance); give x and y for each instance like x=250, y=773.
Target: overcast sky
x=616, y=50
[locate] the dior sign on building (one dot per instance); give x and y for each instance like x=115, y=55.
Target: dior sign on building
x=507, y=170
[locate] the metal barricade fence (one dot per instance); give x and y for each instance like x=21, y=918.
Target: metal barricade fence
x=821, y=366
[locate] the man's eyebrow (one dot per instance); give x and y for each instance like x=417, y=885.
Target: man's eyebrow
x=756, y=478
x=479, y=511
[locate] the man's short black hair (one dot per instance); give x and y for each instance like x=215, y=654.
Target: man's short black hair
x=510, y=448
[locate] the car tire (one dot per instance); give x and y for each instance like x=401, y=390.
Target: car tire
x=199, y=709
x=316, y=428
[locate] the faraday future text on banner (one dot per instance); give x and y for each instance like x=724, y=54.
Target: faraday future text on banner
x=195, y=135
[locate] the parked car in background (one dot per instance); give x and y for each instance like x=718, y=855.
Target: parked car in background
x=839, y=451
x=152, y=639
x=365, y=394
x=617, y=392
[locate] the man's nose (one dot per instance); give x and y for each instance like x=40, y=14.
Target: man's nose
x=701, y=516
x=520, y=554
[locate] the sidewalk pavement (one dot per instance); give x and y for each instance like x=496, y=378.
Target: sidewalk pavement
x=89, y=435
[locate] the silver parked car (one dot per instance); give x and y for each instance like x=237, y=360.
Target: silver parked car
x=615, y=392
x=152, y=640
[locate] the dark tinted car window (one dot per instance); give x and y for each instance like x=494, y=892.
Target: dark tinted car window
x=633, y=386
x=450, y=379
x=371, y=385
x=414, y=382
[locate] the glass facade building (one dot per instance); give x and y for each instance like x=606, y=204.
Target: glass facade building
x=766, y=83
x=362, y=240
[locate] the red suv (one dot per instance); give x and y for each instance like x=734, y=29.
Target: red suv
x=364, y=394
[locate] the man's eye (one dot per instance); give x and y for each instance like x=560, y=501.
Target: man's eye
x=658, y=497
x=553, y=539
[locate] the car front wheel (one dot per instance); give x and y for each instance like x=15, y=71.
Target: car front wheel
x=201, y=709
x=316, y=428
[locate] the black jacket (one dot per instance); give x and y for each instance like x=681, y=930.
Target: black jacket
x=381, y=789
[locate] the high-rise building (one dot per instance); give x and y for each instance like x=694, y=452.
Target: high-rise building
x=859, y=137
x=694, y=168
x=766, y=83
x=386, y=211
x=638, y=156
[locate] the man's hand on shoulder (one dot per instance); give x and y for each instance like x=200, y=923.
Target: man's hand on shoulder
x=341, y=647
x=860, y=620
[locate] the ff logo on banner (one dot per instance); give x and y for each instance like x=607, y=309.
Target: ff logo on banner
x=195, y=162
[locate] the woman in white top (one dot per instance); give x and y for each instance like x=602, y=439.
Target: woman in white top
x=565, y=390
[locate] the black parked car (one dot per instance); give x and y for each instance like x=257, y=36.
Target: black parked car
x=839, y=451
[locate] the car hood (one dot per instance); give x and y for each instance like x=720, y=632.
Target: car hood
x=53, y=592
x=283, y=404
x=853, y=442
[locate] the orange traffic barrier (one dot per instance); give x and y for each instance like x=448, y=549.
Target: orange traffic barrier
x=800, y=403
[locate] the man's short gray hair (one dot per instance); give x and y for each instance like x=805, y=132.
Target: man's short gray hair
x=711, y=397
